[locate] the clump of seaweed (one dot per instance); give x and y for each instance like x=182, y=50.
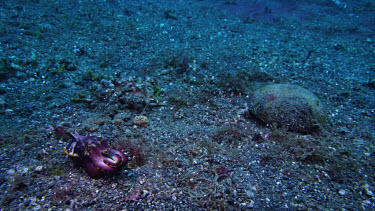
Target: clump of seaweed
x=6, y=69
x=236, y=84
x=304, y=148
x=178, y=63
x=127, y=93
x=228, y=134
x=56, y=67
x=89, y=75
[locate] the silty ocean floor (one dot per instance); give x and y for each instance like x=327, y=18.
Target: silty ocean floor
x=191, y=68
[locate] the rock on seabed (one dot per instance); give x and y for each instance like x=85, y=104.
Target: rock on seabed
x=288, y=106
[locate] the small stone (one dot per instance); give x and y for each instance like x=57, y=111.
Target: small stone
x=164, y=72
x=8, y=112
x=251, y=204
x=367, y=190
x=2, y=102
x=371, y=83
x=250, y=194
x=141, y=121
x=38, y=169
x=23, y=170
x=342, y=192
x=144, y=194
x=10, y=175
x=118, y=122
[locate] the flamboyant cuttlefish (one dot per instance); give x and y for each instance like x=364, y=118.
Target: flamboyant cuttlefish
x=95, y=155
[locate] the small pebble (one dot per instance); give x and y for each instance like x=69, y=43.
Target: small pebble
x=2, y=102
x=8, y=112
x=342, y=192
x=141, y=121
x=367, y=190
x=38, y=169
